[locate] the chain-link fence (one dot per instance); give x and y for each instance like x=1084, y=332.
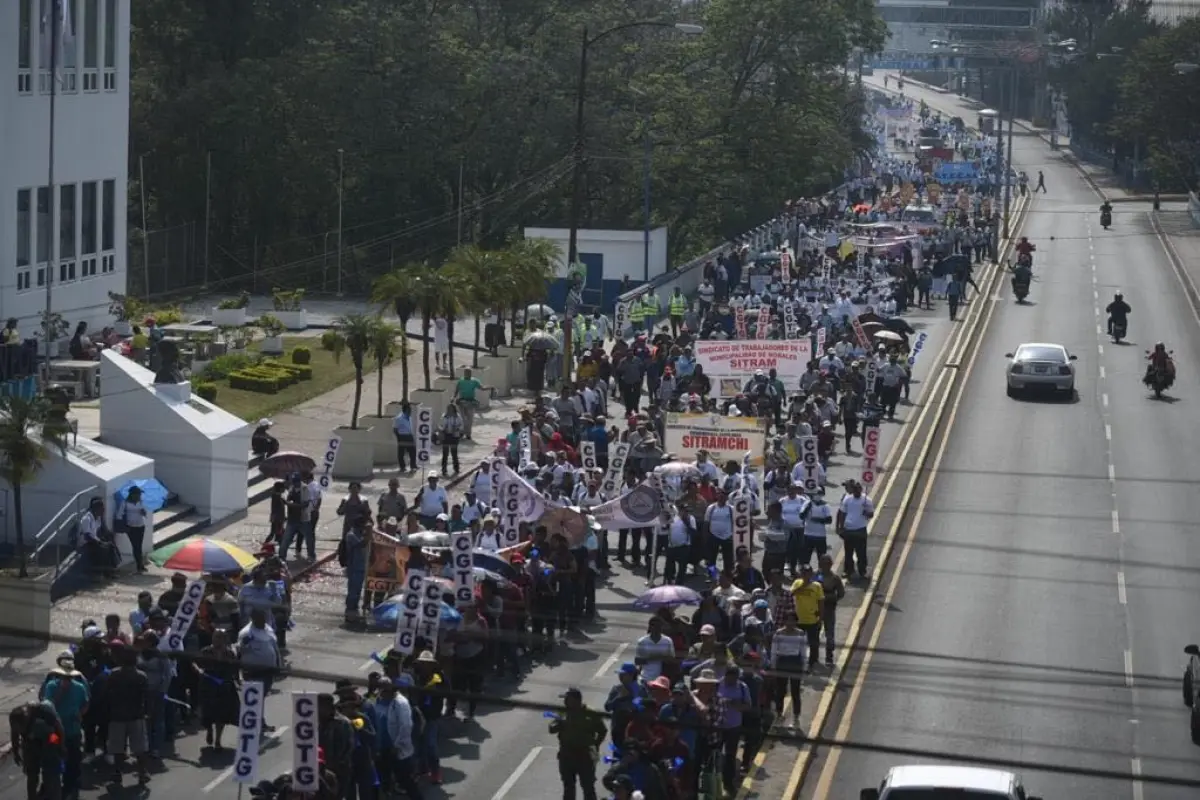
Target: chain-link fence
x=166, y=261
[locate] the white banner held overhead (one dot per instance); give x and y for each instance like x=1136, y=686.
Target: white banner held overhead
x=510, y=516
x=494, y=472
x=870, y=461
x=741, y=505
x=464, y=568
x=423, y=434
x=245, y=759
x=526, y=441
x=325, y=476
x=587, y=456
x=306, y=766
x=917, y=347
x=872, y=374
x=621, y=320
x=431, y=613
x=616, y=468
x=730, y=364
x=185, y=615
x=639, y=508
x=821, y=340
x=811, y=462
x=408, y=623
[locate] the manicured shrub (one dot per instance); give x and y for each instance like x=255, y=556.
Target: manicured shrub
x=257, y=380
x=330, y=340
x=301, y=355
x=220, y=367
x=206, y=390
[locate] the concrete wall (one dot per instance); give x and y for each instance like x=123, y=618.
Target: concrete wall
x=200, y=451
x=610, y=256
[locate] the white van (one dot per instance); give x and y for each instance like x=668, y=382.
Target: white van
x=948, y=783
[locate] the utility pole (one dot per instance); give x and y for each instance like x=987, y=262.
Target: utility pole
x=460, y=200
x=1012, y=113
x=207, y=208
x=341, y=191
x=647, y=163
x=145, y=230
x=47, y=327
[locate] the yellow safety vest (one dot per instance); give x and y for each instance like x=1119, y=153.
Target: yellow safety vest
x=678, y=305
x=636, y=311
x=650, y=306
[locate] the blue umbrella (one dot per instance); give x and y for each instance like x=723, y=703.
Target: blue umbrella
x=387, y=613
x=154, y=494
x=494, y=563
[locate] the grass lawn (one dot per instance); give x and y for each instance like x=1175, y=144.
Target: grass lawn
x=327, y=375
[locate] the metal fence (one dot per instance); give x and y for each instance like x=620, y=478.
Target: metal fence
x=1194, y=208
x=166, y=261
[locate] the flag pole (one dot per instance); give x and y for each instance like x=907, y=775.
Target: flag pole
x=47, y=327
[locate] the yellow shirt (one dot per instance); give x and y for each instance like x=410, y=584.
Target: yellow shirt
x=140, y=341
x=808, y=597
x=11, y=336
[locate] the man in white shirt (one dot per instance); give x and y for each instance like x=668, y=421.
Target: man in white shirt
x=719, y=518
x=679, y=544
x=652, y=650
x=852, y=519
x=473, y=508
x=395, y=721
x=707, y=467
x=815, y=522
x=482, y=483
x=431, y=501
x=793, y=508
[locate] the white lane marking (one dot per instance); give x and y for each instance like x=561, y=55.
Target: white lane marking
x=1108, y=432
x=1099, y=331
x=1136, y=767
x=1095, y=294
x=1121, y=588
x=1096, y=310
x=526, y=762
x=1104, y=399
x=1101, y=373
x=610, y=662
x=1100, y=347
x=1116, y=522
x=1112, y=472
x=226, y=774
x=1129, y=668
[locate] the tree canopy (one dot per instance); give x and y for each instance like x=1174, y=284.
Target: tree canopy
x=416, y=93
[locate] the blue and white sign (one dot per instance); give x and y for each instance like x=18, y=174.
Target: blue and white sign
x=918, y=346
x=245, y=760
x=956, y=172
x=910, y=64
x=306, y=762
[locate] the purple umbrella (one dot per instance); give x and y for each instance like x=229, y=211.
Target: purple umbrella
x=668, y=596
x=281, y=465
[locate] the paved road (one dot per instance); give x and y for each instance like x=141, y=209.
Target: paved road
x=1045, y=604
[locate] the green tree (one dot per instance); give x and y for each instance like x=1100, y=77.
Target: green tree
x=385, y=338
x=429, y=291
x=528, y=267
x=359, y=331
x=29, y=431
x=479, y=274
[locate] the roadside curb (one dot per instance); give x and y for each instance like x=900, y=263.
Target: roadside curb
x=852, y=642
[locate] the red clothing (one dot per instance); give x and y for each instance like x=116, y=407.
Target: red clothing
x=1025, y=248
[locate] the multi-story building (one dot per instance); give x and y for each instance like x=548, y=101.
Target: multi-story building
x=65, y=236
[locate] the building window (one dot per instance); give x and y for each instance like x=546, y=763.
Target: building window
x=25, y=47
x=108, y=264
x=57, y=40
x=24, y=221
x=41, y=276
x=91, y=45
x=87, y=227
x=108, y=216
x=87, y=267
x=43, y=224
x=66, y=221
x=66, y=271
x=110, y=45
x=23, y=280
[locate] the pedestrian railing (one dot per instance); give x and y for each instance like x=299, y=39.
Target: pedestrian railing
x=61, y=531
x=1194, y=208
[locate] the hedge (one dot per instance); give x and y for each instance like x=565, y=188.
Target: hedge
x=269, y=376
x=301, y=355
x=206, y=391
x=329, y=339
x=302, y=372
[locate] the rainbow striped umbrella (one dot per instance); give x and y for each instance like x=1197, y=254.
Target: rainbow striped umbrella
x=201, y=554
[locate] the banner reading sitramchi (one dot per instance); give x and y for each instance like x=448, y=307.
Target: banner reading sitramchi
x=725, y=438
x=729, y=365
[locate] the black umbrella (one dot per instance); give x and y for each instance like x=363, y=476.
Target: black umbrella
x=950, y=265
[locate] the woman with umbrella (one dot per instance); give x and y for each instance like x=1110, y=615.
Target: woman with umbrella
x=539, y=346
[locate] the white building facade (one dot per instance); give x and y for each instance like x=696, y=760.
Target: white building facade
x=68, y=239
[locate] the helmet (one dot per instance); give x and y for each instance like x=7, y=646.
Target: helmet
x=1160, y=346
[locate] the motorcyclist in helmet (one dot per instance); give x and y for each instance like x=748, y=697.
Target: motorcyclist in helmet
x=1160, y=359
x=1022, y=273
x=1025, y=250
x=1117, y=311
x=1106, y=214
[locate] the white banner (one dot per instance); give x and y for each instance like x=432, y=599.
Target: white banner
x=917, y=347
x=587, y=455
x=408, y=623
x=725, y=438
x=423, y=434
x=729, y=365
x=520, y=502
x=872, y=374
x=495, y=475
x=245, y=760
x=640, y=508
x=790, y=329
x=811, y=461
x=185, y=615
x=431, y=613
x=870, y=460
x=821, y=340
x=621, y=320
x=764, y=322
x=741, y=521
x=306, y=767
x=740, y=328
x=526, y=442
x=328, y=460
x=785, y=266
x=617, y=457
x=860, y=334
x=464, y=568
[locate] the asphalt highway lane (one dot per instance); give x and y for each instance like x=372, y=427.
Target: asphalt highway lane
x=1051, y=585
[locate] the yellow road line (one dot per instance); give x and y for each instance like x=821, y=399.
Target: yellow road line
x=895, y=460
x=829, y=768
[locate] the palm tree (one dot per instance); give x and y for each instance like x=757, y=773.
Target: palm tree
x=479, y=274
x=28, y=431
x=394, y=291
x=430, y=293
x=383, y=347
x=530, y=265
x=359, y=333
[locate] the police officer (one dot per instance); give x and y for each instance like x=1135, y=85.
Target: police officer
x=676, y=309
x=651, y=308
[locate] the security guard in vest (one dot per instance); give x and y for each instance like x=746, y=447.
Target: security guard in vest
x=637, y=313
x=651, y=308
x=676, y=309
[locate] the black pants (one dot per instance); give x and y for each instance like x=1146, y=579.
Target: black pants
x=813, y=634
x=753, y=736
x=729, y=747
x=406, y=450
x=784, y=686
x=631, y=396
x=851, y=428
x=952, y=300
x=810, y=545
x=890, y=396
x=635, y=552
x=829, y=625
x=855, y=544
x=677, y=562
x=577, y=769
x=724, y=547
x=449, y=451
x=137, y=535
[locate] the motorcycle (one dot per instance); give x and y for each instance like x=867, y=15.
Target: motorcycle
x=1160, y=377
x=1020, y=289
x=1106, y=219
x=1118, y=330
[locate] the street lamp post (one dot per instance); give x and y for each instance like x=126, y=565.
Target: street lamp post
x=585, y=43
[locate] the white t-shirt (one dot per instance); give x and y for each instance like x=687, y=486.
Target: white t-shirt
x=812, y=527
x=490, y=541
x=720, y=521
x=432, y=500
x=856, y=510
x=653, y=654
x=89, y=528
x=483, y=486
x=793, y=510
x=135, y=515
x=678, y=535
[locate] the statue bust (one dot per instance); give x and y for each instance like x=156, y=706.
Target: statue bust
x=168, y=364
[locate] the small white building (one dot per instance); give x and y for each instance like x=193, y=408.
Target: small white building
x=84, y=257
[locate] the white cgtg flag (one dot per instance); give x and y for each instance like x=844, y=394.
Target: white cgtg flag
x=56, y=14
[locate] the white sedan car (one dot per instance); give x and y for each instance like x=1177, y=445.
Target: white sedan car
x=1039, y=365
